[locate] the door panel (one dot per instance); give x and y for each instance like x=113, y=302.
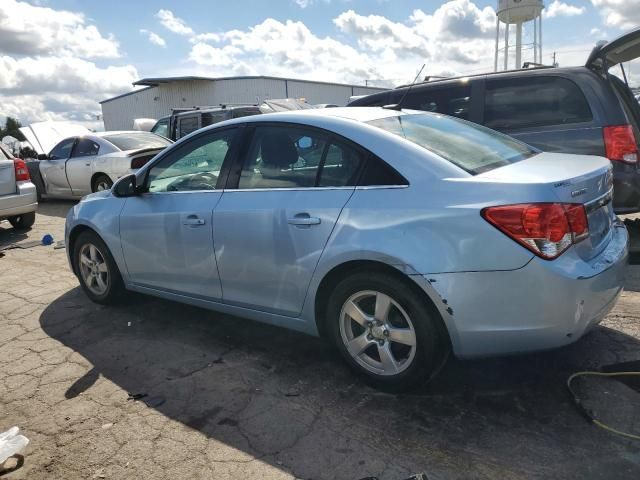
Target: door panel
x=268, y=244
x=53, y=170
x=79, y=166
x=167, y=242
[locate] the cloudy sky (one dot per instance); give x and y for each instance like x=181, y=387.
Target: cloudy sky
x=58, y=58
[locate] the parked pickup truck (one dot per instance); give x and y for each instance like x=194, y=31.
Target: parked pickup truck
x=17, y=193
x=86, y=163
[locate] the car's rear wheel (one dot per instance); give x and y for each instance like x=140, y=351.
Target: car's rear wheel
x=96, y=269
x=386, y=330
x=24, y=221
x=101, y=182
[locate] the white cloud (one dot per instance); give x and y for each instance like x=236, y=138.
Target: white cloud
x=456, y=37
x=26, y=29
x=623, y=14
x=47, y=70
x=154, y=38
x=561, y=9
x=174, y=24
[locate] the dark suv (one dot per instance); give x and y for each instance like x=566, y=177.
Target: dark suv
x=184, y=121
x=583, y=110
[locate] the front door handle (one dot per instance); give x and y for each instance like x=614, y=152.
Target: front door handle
x=193, y=220
x=304, y=220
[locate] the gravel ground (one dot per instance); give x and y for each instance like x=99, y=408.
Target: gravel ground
x=228, y=398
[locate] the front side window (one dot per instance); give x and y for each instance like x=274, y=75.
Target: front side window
x=534, y=101
x=62, y=150
x=471, y=147
x=298, y=157
x=161, y=127
x=194, y=166
x=454, y=101
x=85, y=148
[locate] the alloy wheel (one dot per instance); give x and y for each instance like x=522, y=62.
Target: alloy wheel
x=94, y=269
x=377, y=332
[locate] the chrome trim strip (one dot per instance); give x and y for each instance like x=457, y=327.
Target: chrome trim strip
x=601, y=201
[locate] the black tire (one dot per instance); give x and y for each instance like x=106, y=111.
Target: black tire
x=431, y=341
x=34, y=171
x=101, y=179
x=24, y=221
x=115, y=290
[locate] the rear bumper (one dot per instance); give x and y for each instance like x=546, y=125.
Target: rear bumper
x=626, y=188
x=24, y=201
x=540, y=306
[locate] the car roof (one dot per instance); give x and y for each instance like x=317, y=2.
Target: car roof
x=358, y=114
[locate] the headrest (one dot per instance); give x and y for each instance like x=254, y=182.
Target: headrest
x=278, y=151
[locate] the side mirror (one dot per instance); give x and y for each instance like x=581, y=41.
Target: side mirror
x=43, y=156
x=125, y=186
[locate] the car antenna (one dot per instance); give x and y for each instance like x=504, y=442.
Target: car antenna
x=398, y=106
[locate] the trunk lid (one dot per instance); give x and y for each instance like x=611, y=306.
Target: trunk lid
x=567, y=178
x=43, y=136
x=7, y=177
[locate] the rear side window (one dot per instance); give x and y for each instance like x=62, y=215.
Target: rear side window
x=85, y=148
x=471, y=147
x=452, y=101
x=186, y=125
x=378, y=173
x=534, y=101
x=210, y=118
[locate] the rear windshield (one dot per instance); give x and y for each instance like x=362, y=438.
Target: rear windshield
x=473, y=148
x=136, y=141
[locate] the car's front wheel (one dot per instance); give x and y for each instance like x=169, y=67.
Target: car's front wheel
x=24, y=221
x=96, y=269
x=386, y=331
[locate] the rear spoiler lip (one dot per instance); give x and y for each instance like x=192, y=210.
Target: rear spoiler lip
x=133, y=153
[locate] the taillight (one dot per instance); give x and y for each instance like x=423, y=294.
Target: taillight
x=547, y=229
x=22, y=173
x=140, y=161
x=620, y=144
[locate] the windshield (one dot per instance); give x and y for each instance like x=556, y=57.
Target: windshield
x=473, y=148
x=161, y=127
x=136, y=141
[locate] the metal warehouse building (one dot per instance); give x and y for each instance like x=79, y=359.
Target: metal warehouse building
x=160, y=95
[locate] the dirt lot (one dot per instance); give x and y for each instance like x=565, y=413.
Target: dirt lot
x=232, y=399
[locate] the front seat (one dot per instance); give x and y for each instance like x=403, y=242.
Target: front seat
x=278, y=154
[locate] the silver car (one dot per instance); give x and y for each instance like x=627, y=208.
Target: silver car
x=398, y=235
x=18, y=201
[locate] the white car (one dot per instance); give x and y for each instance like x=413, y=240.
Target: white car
x=79, y=165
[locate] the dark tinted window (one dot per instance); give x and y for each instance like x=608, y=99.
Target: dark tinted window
x=534, y=101
x=86, y=147
x=245, y=112
x=471, y=147
x=186, y=125
x=136, y=141
x=341, y=166
x=377, y=172
x=283, y=157
x=210, y=118
x=62, y=150
x=450, y=101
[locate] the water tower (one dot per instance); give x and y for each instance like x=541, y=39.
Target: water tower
x=519, y=12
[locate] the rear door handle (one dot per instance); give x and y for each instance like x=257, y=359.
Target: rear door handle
x=304, y=220
x=193, y=220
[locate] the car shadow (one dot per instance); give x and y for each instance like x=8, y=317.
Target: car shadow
x=288, y=399
x=55, y=208
x=10, y=236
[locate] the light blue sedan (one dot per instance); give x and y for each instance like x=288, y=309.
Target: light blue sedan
x=400, y=236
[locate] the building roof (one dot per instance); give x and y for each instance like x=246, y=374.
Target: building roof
x=155, y=81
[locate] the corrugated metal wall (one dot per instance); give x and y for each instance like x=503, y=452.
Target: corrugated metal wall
x=156, y=102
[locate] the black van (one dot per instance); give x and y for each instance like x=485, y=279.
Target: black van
x=585, y=110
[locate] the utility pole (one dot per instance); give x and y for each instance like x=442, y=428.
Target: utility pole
x=554, y=60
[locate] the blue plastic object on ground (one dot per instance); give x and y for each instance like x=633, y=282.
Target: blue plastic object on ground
x=47, y=239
